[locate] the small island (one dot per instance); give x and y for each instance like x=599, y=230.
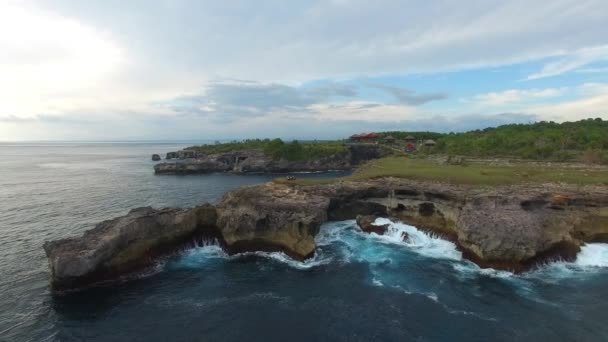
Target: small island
x=516, y=196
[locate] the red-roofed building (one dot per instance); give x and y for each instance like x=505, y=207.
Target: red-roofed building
x=363, y=137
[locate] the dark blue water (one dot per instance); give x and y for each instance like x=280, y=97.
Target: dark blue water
x=357, y=288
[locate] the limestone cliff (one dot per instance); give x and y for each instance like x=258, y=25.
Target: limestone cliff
x=125, y=243
x=510, y=227
x=502, y=227
x=254, y=161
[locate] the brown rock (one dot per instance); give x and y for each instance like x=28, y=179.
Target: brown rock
x=123, y=244
x=366, y=223
x=560, y=200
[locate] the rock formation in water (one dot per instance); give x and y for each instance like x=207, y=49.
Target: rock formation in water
x=125, y=243
x=366, y=223
x=155, y=157
x=254, y=161
x=510, y=227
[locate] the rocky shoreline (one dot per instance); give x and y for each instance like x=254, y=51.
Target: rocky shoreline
x=255, y=161
x=510, y=227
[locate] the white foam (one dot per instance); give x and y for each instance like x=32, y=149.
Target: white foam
x=469, y=269
x=593, y=255
x=377, y=282
x=285, y=259
x=591, y=258
x=418, y=241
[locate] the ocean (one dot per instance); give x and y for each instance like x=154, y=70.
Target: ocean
x=358, y=287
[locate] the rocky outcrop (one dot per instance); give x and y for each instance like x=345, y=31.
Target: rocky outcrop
x=366, y=223
x=155, y=157
x=272, y=218
x=255, y=161
x=125, y=243
x=511, y=227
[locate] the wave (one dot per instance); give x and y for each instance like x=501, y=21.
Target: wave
x=207, y=251
x=423, y=243
x=344, y=242
x=285, y=259
x=593, y=255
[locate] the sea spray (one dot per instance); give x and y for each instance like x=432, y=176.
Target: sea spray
x=424, y=243
x=593, y=255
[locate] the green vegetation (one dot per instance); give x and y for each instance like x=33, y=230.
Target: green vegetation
x=585, y=141
x=475, y=174
x=279, y=149
x=404, y=167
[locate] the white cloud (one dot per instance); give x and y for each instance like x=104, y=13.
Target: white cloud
x=573, y=61
x=515, y=96
x=46, y=59
x=589, y=100
x=111, y=59
x=593, y=103
x=593, y=70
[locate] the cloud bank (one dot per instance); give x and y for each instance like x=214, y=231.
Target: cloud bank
x=149, y=64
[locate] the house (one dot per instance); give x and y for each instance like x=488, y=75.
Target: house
x=364, y=137
x=389, y=140
x=410, y=139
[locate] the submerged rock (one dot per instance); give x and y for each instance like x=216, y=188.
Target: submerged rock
x=124, y=243
x=366, y=223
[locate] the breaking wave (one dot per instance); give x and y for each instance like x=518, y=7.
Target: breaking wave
x=424, y=243
x=343, y=242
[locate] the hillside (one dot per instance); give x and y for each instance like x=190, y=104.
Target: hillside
x=585, y=140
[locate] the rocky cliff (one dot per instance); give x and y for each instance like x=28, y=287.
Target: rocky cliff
x=510, y=227
x=254, y=161
x=125, y=243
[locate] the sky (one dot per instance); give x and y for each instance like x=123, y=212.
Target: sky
x=195, y=69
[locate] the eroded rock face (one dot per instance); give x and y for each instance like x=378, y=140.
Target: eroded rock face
x=253, y=161
x=124, y=243
x=271, y=217
x=504, y=227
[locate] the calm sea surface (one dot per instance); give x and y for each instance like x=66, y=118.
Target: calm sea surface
x=357, y=288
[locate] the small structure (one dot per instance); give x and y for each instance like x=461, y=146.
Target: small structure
x=410, y=147
x=430, y=143
x=389, y=139
x=410, y=139
x=155, y=157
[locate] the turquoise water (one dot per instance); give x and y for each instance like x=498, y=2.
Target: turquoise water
x=358, y=287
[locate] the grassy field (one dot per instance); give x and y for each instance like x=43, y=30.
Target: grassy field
x=476, y=174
